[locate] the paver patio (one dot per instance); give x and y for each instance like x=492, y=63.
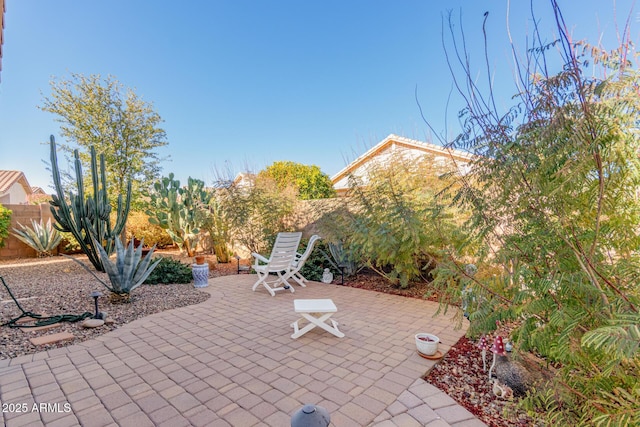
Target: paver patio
x=231, y=361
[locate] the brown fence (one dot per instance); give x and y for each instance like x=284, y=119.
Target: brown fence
x=23, y=214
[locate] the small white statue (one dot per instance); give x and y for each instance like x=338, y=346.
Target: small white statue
x=327, y=276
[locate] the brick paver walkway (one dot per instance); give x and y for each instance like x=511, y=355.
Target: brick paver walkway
x=230, y=361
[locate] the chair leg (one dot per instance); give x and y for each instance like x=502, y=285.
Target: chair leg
x=299, y=279
x=262, y=280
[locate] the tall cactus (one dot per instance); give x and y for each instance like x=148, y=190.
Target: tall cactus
x=87, y=216
x=180, y=211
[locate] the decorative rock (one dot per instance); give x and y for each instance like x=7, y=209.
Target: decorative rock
x=109, y=321
x=92, y=323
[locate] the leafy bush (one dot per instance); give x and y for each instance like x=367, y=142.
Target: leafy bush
x=5, y=221
x=309, y=181
x=398, y=223
x=139, y=227
x=43, y=238
x=317, y=261
x=170, y=271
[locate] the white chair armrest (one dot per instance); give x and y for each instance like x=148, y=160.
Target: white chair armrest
x=259, y=257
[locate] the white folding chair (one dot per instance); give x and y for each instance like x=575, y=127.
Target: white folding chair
x=282, y=255
x=300, y=260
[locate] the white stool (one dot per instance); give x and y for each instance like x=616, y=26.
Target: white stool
x=317, y=312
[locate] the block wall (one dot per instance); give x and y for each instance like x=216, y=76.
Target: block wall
x=23, y=214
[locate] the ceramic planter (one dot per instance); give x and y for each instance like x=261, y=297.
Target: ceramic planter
x=200, y=275
x=427, y=344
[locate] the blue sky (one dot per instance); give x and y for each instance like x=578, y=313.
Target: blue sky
x=244, y=83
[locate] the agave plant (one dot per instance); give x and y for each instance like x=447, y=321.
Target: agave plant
x=43, y=238
x=128, y=271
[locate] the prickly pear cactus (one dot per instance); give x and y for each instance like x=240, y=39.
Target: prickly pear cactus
x=88, y=216
x=179, y=210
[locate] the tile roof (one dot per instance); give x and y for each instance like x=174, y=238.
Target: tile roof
x=406, y=142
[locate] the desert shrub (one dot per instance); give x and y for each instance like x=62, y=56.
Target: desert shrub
x=139, y=227
x=69, y=244
x=5, y=221
x=170, y=271
x=399, y=222
x=257, y=211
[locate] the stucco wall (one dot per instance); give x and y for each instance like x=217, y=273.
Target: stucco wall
x=15, y=195
x=23, y=214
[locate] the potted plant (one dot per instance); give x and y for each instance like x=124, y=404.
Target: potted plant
x=427, y=344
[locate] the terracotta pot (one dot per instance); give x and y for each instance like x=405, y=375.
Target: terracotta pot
x=199, y=259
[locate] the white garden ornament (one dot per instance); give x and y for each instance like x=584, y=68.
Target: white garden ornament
x=484, y=346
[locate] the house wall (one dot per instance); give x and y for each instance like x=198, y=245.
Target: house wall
x=15, y=195
x=385, y=156
x=23, y=214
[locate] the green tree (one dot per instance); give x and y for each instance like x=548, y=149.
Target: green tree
x=555, y=202
x=309, y=181
x=100, y=112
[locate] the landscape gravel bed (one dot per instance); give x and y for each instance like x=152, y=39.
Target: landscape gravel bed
x=58, y=285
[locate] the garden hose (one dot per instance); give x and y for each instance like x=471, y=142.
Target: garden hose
x=40, y=320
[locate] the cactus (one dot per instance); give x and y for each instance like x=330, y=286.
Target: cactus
x=180, y=211
x=86, y=216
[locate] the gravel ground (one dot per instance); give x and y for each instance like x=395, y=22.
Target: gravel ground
x=58, y=285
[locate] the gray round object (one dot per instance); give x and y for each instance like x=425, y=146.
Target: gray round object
x=311, y=416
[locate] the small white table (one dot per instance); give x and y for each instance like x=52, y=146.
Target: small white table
x=317, y=312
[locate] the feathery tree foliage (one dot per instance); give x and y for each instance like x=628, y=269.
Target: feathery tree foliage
x=554, y=196
x=399, y=223
x=255, y=210
x=101, y=113
x=310, y=181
